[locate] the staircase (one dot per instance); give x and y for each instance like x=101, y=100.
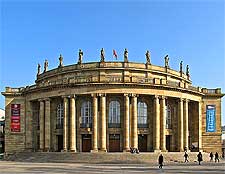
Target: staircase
x=110, y=158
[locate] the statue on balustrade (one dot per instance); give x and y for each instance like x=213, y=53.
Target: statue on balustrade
x=187, y=71
x=102, y=55
x=46, y=65
x=125, y=55
x=167, y=61
x=39, y=69
x=148, y=60
x=60, y=61
x=181, y=66
x=80, y=56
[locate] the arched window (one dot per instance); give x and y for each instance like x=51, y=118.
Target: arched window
x=59, y=116
x=86, y=115
x=142, y=115
x=114, y=114
x=168, y=117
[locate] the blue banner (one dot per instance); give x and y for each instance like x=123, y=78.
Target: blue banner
x=210, y=118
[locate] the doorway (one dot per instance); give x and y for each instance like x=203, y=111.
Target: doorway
x=114, y=142
x=60, y=143
x=168, y=140
x=142, y=143
x=86, y=142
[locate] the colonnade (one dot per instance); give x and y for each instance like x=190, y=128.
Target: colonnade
x=130, y=131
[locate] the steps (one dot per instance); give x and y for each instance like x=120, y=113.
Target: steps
x=110, y=158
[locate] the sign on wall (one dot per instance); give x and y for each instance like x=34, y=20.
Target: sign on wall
x=15, y=117
x=210, y=118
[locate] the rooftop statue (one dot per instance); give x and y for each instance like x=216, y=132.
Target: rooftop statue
x=187, y=71
x=181, y=66
x=125, y=55
x=46, y=65
x=80, y=56
x=39, y=69
x=102, y=55
x=167, y=61
x=148, y=60
x=60, y=60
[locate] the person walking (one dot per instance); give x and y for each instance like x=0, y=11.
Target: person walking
x=186, y=157
x=216, y=157
x=211, y=156
x=199, y=158
x=160, y=161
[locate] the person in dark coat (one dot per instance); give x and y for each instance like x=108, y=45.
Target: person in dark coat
x=186, y=157
x=160, y=161
x=199, y=158
x=216, y=157
x=211, y=156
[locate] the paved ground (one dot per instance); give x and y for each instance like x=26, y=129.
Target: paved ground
x=8, y=167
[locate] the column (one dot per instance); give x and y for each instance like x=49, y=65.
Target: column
x=72, y=124
x=42, y=126
x=180, y=125
x=186, y=124
x=157, y=124
x=126, y=124
x=65, y=123
x=103, y=122
x=134, y=134
x=200, y=125
x=47, y=125
x=95, y=123
x=163, y=123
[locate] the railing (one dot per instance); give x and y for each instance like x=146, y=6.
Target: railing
x=86, y=125
x=142, y=125
x=172, y=83
x=114, y=125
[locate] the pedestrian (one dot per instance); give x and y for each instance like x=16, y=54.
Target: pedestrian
x=186, y=157
x=199, y=158
x=211, y=156
x=160, y=161
x=216, y=157
x=223, y=154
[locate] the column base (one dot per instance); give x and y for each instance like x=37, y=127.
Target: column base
x=94, y=151
x=64, y=150
x=126, y=150
x=40, y=150
x=73, y=150
x=164, y=150
x=103, y=150
x=157, y=151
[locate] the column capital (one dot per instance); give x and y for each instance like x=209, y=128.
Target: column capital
x=94, y=95
x=162, y=97
x=73, y=96
x=180, y=99
x=41, y=100
x=187, y=100
x=65, y=96
x=47, y=99
x=134, y=95
x=156, y=97
x=126, y=95
x=102, y=94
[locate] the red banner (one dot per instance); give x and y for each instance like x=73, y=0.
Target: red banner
x=15, y=117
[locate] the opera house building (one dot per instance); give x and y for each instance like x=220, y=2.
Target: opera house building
x=110, y=107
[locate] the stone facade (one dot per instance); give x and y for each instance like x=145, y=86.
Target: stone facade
x=112, y=106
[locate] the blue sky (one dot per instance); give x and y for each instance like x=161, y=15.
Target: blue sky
x=192, y=31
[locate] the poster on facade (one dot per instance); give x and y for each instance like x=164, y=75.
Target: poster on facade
x=210, y=118
x=15, y=117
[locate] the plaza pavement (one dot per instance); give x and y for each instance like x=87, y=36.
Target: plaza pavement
x=12, y=167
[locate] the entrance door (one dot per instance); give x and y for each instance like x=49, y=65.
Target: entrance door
x=114, y=142
x=86, y=142
x=142, y=143
x=168, y=139
x=60, y=143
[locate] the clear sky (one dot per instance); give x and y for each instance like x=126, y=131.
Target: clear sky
x=188, y=30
